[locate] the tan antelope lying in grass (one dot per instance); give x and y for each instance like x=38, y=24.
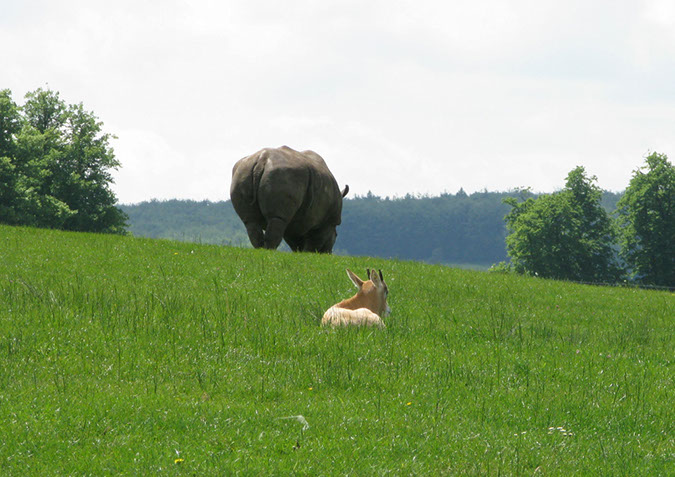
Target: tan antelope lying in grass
x=365, y=308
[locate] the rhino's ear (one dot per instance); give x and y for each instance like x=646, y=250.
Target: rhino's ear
x=345, y=190
x=355, y=280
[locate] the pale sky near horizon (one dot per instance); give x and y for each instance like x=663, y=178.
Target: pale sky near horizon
x=398, y=96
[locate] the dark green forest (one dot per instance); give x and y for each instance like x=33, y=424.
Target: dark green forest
x=459, y=229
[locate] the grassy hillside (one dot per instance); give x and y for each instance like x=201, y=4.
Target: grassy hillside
x=124, y=355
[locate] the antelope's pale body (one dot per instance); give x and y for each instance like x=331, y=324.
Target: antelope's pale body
x=365, y=308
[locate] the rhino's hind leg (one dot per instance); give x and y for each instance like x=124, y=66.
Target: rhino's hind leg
x=294, y=243
x=255, y=234
x=274, y=232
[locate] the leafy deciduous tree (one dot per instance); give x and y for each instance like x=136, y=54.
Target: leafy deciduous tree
x=566, y=235
x=646, y=215
x=9, y=128
x=55, y=166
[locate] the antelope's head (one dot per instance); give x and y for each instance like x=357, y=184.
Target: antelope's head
x=372, y=294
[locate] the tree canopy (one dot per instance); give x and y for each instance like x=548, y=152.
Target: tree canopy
x=646, y=215
x=565, y=235
x=55, y=166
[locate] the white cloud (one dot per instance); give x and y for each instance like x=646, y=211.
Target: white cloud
x=662, y=13
x=150, y=165
x=398, y=96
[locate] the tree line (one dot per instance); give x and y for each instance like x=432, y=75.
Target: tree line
x=187, y=221
x=458, y=229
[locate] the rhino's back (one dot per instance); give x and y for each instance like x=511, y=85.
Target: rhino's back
x=281, y=182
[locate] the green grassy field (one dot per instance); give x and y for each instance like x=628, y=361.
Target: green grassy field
x=136, y=356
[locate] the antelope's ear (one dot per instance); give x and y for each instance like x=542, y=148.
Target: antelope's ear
x=375, y=278
x=355, y=280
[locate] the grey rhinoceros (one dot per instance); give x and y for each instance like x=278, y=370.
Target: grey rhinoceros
x=288, y=194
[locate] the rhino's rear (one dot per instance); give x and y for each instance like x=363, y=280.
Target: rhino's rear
x=287, y=194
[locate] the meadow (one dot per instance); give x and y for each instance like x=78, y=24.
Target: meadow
x=121, y=355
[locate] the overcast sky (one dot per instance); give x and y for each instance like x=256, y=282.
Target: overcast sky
x=398, y=96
